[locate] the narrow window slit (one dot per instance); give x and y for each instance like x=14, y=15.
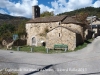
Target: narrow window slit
x=59, y=34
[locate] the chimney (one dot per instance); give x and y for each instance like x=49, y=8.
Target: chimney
x=35, y=11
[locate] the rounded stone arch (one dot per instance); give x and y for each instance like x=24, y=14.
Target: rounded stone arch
x=34, y=41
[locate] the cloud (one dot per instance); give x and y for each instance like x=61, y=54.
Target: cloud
x=3, y=12
x=45, y=8
x=6, y=4
x=24, y=7
x=65, y=6
x=96, y=4
x=75, y=4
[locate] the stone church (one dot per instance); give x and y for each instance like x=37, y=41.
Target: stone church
x=48, y=31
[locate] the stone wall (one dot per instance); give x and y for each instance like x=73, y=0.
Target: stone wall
x=61, y=35
x=39, y=31
x=74, y=27
x=55, y=32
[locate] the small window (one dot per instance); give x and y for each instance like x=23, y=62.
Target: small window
x=59, y=23
x=59, y=34
x=50, y=27
x=36, y=9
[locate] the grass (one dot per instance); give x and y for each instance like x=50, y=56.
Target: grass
x=39, y=49
x=28, y=48
x=83, y=45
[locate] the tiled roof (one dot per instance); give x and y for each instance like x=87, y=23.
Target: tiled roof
x=48, y=19
x=63, y=18
x=71, y=20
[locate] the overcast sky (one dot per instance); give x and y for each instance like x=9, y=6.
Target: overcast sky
x=24, y=7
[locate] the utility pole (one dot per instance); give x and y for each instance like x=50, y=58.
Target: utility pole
x=91, y=22
x=92, y=19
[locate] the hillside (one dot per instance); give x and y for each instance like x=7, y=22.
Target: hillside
x=5, y=16
x=10, y=25
x=7, y=19
x=91, y=11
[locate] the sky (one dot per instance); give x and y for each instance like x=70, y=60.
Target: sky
x=24, y=7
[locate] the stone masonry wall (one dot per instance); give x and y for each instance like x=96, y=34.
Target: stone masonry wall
x=39, y=30
x=56, y=36
x=74, y=27
x=61, y=35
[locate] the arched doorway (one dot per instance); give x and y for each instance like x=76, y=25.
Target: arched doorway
x=33, y=41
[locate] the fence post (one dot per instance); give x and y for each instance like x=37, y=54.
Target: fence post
x=31, y=49
x=65, y=49
x=18, y=48
x=47, y=50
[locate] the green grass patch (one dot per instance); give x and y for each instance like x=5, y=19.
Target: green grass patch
x=83, y=45
x=30, y=48
x=39, y=49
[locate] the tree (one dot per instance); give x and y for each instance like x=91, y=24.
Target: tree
x=6, y=31
x=20, y=30
x=47, y=13
x=90, y=10
x=81, y=17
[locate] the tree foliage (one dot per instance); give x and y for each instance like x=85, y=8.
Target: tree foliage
x=81, y=17
x=10, y=25
x=47, y=13
x=90, y=10
x=21, y=28
x=7, y=30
